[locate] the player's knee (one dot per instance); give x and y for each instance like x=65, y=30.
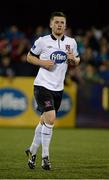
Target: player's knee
x=50, y=117
x=51, y=121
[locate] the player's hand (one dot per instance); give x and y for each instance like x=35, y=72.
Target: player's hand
x=48, y=64
x=72, y=58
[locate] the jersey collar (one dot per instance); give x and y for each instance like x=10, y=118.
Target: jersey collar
x=63, y=37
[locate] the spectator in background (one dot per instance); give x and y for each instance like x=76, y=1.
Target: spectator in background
x=6, y=68
x=39, y=32
x=23, y=68
x=5, y=46
x=90, y=75
x=13, y=33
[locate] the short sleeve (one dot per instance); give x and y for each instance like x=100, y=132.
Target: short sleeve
x=37, y=47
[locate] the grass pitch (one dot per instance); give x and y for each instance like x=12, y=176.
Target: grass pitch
x=75, y=154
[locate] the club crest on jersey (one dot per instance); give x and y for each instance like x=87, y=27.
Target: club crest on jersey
x=67, y=47
x=58, y=56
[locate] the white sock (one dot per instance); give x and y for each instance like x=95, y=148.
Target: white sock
x=36, y=140
x=46, y=134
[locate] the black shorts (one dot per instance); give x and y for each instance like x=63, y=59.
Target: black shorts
x=46, y=99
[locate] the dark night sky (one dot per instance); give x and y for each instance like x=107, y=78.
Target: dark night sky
x=81, y=13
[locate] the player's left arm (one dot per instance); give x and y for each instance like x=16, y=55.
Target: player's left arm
x=73, y=55
x=73, y=59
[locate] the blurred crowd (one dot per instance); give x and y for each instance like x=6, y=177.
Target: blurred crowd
x=93, y=47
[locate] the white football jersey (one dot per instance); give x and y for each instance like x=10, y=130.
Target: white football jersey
x=50, y=48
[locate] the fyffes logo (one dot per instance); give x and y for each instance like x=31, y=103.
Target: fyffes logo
x=58, y=56
x=65, y=106
x=12, y=102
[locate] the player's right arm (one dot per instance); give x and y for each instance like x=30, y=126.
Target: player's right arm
x=48, y=64
x=35, y=52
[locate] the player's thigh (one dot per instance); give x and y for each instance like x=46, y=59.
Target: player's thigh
x=44, y=99
x=58, y=99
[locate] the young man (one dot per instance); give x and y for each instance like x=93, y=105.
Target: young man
x=52, y=53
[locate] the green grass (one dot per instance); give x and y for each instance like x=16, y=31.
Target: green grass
x=75, y=154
